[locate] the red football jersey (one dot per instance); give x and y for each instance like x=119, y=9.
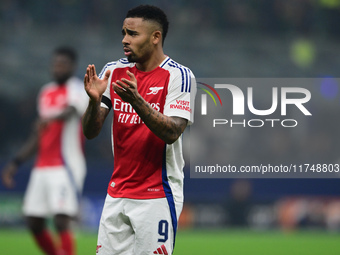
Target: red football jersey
x=145, y=166
x=61, y=141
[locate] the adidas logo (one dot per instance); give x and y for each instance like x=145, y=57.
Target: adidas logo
x=161, y=250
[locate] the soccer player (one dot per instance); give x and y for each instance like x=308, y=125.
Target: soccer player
x=152, y=98
x=57, y=177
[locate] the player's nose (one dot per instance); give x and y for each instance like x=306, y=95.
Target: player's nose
x=125, y=40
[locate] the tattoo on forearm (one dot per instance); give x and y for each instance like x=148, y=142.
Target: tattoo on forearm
x=93, y=120
x=166, y=128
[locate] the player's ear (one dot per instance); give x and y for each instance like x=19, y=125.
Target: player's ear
x=157, y=37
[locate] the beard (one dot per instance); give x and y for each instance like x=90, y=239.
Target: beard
x=132, y=58
x=141, y=58
x=141, y=54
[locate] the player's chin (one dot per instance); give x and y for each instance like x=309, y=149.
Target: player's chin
x=132, y=58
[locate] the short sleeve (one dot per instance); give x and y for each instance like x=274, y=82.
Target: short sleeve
x=106, y=98
x=77, y=96
x=181, y=95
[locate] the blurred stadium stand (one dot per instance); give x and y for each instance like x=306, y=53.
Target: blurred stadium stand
x=258, y=38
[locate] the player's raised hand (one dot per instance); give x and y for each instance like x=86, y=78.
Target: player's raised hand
x=94, y=86
x=126, y=89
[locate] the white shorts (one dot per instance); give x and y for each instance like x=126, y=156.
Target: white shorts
x=138, y=226
x=49, y=192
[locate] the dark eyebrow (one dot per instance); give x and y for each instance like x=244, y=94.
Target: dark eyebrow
x=130, y=32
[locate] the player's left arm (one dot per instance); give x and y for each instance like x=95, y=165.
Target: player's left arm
x=64, y=115
x=167, y=128
x=27, y=150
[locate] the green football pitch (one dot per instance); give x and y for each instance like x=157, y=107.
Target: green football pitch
x=193, y=242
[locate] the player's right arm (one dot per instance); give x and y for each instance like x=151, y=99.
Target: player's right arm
x=94, y=115
x=27, y=150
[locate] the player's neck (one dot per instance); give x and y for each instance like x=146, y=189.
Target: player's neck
x=153, y=62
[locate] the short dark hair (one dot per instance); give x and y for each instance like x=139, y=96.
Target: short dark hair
x=68, y=52
x=150, y=12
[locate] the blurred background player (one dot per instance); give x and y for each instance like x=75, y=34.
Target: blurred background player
x=58, y=175
x=152, y=101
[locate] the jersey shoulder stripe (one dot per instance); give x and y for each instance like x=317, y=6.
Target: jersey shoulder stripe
x=185, y=74
x=124, y=61
x=121, y=63
x=165, y=62
x=106, y=67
